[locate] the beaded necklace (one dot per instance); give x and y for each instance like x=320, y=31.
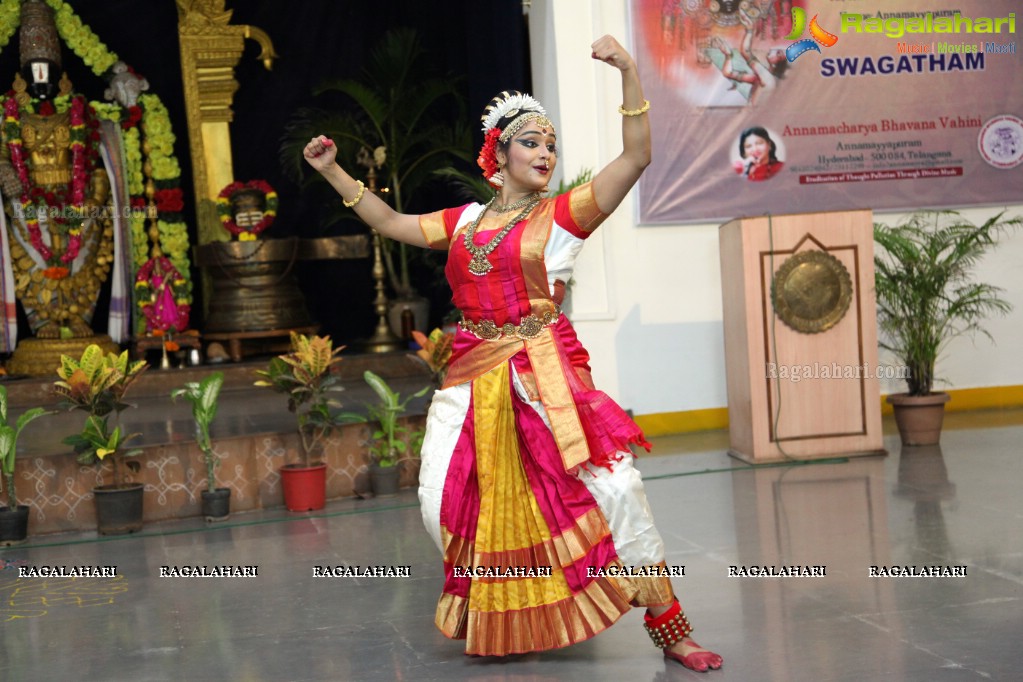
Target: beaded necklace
x=478, y=264
x=505, y=208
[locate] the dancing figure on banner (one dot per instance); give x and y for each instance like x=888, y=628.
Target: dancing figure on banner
x=527, y=484
x=749, y=72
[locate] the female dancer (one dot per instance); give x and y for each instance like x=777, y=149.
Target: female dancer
x=527, y=483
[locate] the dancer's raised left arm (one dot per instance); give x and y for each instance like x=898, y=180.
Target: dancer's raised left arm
x=615, y=180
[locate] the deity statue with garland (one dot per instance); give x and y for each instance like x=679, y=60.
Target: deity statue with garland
x=55, y=181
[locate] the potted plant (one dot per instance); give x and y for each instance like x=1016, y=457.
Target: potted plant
x=13, y=517
x=96, y=384
x=926, y=296
x=305, y=376
x=435, y=352
x=400, y=124
x=386, y=446
x=203, y=395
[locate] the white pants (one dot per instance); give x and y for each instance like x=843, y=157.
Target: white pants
x=618, y=492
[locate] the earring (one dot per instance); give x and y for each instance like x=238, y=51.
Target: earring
x=497, y=179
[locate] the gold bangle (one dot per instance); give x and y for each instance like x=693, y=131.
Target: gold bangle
x=635, y=112
x=358, y=197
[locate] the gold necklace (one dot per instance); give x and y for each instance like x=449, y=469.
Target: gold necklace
x=478, y=264
x=504, y=208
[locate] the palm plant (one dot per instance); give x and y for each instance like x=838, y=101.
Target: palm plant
x=203, y=395
x=401, y=106
x=925, y=293
x=9, y=444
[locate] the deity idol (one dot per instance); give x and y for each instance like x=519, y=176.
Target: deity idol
x=56, y=191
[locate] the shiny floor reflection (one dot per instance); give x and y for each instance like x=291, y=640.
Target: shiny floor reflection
x=957, y=505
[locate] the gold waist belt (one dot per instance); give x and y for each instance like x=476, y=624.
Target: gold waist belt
x=530, y=327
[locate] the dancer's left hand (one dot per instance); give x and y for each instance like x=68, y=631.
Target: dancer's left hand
x=610, y=51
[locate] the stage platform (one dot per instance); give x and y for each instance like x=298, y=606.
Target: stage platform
x=253, y=433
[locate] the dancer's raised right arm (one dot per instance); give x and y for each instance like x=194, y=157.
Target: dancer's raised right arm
x=321, y=154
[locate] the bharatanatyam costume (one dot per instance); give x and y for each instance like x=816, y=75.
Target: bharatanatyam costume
x=526, y=467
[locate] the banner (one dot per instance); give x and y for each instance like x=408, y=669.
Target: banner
x=789, y=106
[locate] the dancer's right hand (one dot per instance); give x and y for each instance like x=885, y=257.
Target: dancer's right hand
x=320, y=153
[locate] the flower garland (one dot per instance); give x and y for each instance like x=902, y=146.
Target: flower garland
x=65, y=212
x=487, y=160
x=250, y=232
x=111, y=111
x=10, y=18
x=155, y=127
x=145, y=125
x=80, y=38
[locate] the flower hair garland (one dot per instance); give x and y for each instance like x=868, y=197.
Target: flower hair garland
x=487, y=160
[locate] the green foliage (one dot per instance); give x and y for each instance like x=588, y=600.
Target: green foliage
x=9, y=443
x=96, y=383
x=204, y=396
x=96, y=442
x=386, y=446
x=401, y=104
x=304, y=376
x=925, y=294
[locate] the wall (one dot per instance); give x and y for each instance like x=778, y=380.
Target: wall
x=647, y=300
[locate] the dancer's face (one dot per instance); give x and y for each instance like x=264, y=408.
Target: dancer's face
x=757, y=149
x=531, y=157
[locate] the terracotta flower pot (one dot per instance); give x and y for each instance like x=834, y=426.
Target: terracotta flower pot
x=305, y=488
x=919, y=418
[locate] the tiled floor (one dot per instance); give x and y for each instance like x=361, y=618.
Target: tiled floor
x=958, y=505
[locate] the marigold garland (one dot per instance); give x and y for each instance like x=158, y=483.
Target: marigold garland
x=10, y=18
x=227, y=220
x=80, y=38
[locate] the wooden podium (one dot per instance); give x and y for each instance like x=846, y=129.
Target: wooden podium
x=801, y=336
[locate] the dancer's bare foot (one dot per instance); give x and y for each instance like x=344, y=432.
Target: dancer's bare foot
x=693, y=656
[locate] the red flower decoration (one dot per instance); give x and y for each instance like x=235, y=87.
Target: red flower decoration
x=487, y=159
x=169, y=200
x=134, y=116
